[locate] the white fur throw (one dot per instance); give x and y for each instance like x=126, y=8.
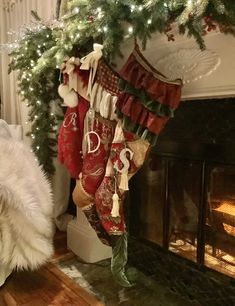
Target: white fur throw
x=26, y=227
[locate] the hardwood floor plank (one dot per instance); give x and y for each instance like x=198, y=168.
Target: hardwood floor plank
x=74, y=287
x=48, y=286
x=25, y=286
x=36, y=302
x=6, y=299
x=61, y=250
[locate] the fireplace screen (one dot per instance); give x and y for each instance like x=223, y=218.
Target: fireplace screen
x=188, y=207
x=150, y=194
x=220, y=219
x=184, y=198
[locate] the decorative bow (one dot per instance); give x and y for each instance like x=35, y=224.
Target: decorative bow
x=90, y=62
x=69, y=68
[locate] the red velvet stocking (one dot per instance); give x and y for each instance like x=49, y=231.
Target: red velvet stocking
x=93, y=171
x=70, y=138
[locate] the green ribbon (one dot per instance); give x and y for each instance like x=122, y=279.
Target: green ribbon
x=119, y=260
x=137, y=129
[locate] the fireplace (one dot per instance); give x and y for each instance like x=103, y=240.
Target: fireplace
x=183, y=200
x=186, y=203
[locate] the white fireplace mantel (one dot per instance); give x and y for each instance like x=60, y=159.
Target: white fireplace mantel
x=212, y=72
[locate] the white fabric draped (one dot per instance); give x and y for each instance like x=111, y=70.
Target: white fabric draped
x=15, y=14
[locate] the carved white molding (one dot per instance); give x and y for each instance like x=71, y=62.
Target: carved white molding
x=188, y=64
x=208, y=92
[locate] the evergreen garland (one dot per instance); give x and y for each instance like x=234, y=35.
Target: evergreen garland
x=39, y=91
x=110, y=23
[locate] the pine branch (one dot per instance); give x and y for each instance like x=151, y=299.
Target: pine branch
x=109, y=23
x=35, y=15
x=38, y=90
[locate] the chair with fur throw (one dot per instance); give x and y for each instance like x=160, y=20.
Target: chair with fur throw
x=26, y=226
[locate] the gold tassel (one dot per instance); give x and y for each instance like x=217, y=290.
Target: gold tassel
x=115, y=208
x=124, y=181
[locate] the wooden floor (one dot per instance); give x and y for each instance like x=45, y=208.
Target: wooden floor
x=47, y=286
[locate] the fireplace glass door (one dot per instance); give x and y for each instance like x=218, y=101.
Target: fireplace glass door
x=188, y=207
x=220, y=219
x=184, y=198
x=147, y=201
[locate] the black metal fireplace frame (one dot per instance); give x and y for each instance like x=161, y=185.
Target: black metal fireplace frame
x=195, y=281
x=207, y=155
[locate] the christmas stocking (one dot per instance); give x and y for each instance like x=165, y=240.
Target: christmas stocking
x=70, y=138
x=100, y=124
x=126, y=157
x=97, y=144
